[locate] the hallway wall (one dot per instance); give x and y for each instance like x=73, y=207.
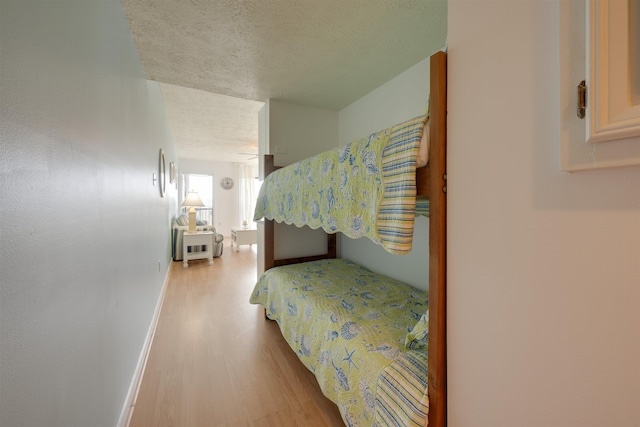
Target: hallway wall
x=84, y=233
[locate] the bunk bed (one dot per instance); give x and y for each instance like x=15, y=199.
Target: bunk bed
x=419, y=318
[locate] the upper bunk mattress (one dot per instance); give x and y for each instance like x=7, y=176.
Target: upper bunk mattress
x=364, y=189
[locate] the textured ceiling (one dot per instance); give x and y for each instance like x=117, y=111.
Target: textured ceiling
x=321, y=53
x=200, y=117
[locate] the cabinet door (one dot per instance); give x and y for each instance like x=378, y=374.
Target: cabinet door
x=599, y=45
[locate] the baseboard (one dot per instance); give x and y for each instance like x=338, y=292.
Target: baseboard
x=134, y=388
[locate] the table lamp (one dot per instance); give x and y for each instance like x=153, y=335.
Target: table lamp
x=191, y=201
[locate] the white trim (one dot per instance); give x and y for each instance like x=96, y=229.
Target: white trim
x=134, y=388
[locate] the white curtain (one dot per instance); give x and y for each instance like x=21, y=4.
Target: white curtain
x=247, y=193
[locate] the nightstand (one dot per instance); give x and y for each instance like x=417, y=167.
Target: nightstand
x=199, y=238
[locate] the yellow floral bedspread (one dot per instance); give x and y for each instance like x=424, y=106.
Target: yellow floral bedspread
x=348, y=326
x=364, y=189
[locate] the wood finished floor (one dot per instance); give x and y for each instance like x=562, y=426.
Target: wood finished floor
x=216, y=362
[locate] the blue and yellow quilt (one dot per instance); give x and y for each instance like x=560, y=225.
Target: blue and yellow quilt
x=364, y=189
x=362, y=334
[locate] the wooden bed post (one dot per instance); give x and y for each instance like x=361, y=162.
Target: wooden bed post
x=438, y=242
x=268, y=244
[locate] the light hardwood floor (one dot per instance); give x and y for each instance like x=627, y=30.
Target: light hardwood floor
x=215, y=361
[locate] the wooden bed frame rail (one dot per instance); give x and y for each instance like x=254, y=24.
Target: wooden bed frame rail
x=430, y=182
x=423, y=181
x=438, y=242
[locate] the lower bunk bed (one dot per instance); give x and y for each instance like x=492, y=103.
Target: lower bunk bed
x=362, y=334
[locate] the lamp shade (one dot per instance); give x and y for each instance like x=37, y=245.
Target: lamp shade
x=192, y=200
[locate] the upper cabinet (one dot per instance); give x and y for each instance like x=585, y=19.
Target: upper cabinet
x=600, y=84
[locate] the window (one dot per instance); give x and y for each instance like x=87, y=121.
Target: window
x=248, y=193
x=203, y=184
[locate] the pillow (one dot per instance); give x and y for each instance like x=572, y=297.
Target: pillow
x=423, y=151
x=182, y=220
x=418, y=337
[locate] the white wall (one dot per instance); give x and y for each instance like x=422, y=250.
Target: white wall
x=292, y=133
x=543, y=266
x=398, y=100
x=227, y=207
x=84, y=233
x=297, y=131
